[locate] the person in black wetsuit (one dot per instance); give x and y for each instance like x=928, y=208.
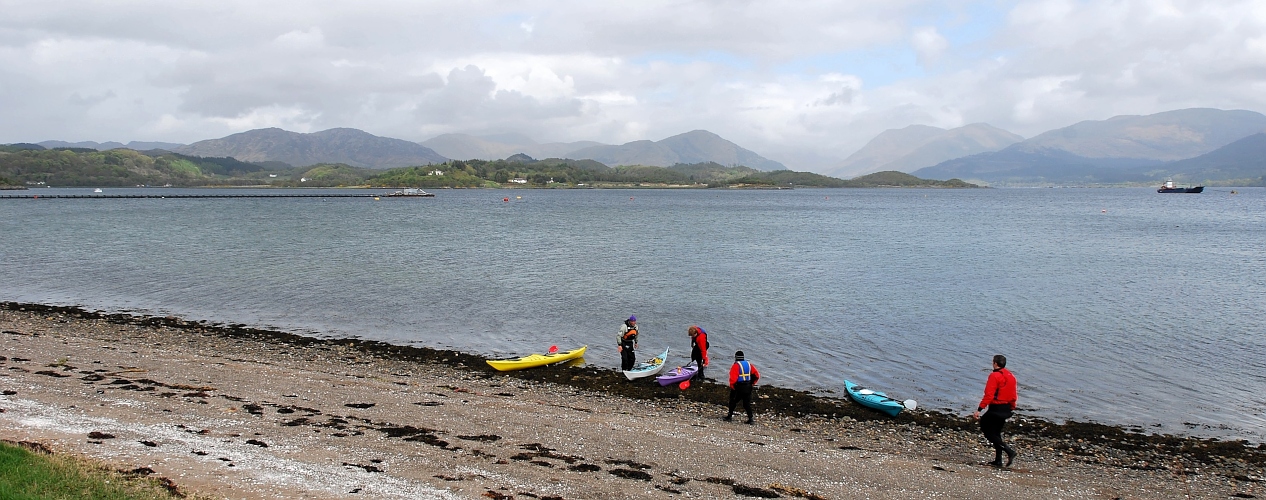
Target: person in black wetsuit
x=698, y=350
x=628, y=343
x=743, y=377
x=1000, y=398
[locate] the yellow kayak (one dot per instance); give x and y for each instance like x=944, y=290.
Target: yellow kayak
x=536, y=359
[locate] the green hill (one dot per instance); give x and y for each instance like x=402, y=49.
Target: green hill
x=893, y=178
x=122, y=167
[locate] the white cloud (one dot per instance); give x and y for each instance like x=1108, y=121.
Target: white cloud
x=928, y=44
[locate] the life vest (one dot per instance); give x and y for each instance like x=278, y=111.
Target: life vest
x=629, y=336
x=745, y=372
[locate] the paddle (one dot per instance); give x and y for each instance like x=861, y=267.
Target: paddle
x=910, y=404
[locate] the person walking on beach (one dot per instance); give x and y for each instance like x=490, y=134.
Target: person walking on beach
x=698, y=350
x=628, y=343
x=1000, y=398
x=743, y=378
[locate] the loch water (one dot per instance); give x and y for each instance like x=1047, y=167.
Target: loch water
x=1115, y=305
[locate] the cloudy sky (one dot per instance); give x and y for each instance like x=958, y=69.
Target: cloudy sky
x=803, y=82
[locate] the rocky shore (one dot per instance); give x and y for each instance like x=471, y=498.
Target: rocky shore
x=229, y=411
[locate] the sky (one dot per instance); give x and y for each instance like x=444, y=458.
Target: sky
x=806, y=83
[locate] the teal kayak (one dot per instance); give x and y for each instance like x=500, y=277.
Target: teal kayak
x=877, y=400
x=649, y=367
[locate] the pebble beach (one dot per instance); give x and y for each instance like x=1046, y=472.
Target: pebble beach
x=228, y=411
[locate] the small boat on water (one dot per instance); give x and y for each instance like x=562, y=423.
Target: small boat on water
x=411, y=192
x=649, y=367
x=877, y=400
x=98, y=190
x=536, y=359
x=1169, y=187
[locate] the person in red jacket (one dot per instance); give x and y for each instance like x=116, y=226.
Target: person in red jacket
x=698, y=350
x=1000, y=397
x=743, y=378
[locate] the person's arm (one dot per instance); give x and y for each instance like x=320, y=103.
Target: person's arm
x=734, y=373
x=703, y=347
x=990, y=387
x=1015, y=392
x=755, y=375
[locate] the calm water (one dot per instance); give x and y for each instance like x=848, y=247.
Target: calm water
x=1116, y=305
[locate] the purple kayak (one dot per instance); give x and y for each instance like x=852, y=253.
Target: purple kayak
x=677, y=374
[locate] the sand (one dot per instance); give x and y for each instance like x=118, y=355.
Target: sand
x=229, y=412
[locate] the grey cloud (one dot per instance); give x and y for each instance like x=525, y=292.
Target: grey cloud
x=79, y=99
x=844, y=96
x=468, y=99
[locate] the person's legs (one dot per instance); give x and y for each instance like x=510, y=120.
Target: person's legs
x=747, y=404
x=627, y=359
x=734, y=399
x=742, y=392
x=991, y=427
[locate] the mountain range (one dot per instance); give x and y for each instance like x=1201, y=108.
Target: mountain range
x=698, y=146
x=337, y=145
x=917, y=146
x=1183, y=144
x=1128, y=148
x=1243, y=160
x=497, y=147
x=106, y=146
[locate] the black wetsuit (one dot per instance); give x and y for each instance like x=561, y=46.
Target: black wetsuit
x=628, y=341
x=696, y=354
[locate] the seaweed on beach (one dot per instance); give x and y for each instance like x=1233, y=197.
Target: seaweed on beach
x=630, y=474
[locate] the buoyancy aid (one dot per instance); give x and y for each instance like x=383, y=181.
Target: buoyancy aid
x=745, y=372
x=629, y=337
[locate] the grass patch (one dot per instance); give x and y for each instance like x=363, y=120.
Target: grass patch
x=26, y=474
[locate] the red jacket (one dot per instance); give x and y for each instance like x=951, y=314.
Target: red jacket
x=1000, y=390
x=737, y=369
x=699, y=343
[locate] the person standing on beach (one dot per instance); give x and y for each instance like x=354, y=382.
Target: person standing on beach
x=628, y=343
x=698, y=350
x=743, y=378
x=1000, y=398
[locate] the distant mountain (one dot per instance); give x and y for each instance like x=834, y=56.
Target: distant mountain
x=1242, y=160
x=1119, y=149
x=698, y=146
x=337, y=145
x=1167, y=136
x=889, y=145
x=1052, y=166
x=954, y=143
x=497, y=147
x=105, y=146
x=21, y=146
x=917, y=146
